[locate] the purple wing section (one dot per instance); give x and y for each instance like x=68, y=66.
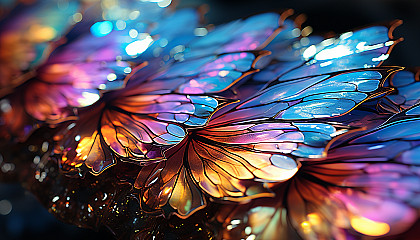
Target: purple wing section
x=208, y=74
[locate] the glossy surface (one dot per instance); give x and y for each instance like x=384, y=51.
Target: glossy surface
x=141, y=120
x=364, y=184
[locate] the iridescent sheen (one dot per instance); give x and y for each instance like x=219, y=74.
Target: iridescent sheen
x=134, y=126
x=140, y=119
x=369, y=183
x=364, y=48
x=319, y=96
x=230, y=161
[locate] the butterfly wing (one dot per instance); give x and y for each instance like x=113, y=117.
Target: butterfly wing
x=320, y=96
x=368, y=184
x=76, y=73
x=136, y=127
x=210, y=74
x=405, y=94
x=235, y=148
x=364, y=48
x=252, y=33
x=373, y=176
x=139, y=122
x=231, y=162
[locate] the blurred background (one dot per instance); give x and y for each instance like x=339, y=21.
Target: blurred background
x=22, y=217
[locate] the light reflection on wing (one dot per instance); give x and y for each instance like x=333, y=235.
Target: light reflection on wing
x=364, y=48
x=369, y=184
x=241, y=35
x=135, y=127
x=210, y=74
x=320, y=96
x=231, y=162
x=84, y=63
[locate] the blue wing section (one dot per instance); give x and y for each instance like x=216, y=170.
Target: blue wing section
x=406, y=94
x=322, y=96
x=363, y=48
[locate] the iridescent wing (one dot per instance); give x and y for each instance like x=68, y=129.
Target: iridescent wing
x=320, y=96
x=376, y=111
x=248, y=142
x=369, y=184
x=209, y=74
x=252, y=33
x=139, y=122
x=283, y=49
x=261, y=219
x=96, y=58
x=363, y=48
x=231, y=162
x=406, y=84
x=213, y=62
x=135, y=127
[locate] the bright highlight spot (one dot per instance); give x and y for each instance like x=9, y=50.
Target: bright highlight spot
x=251, y=237
x=127, y=70
x=5, y=105
x=223, y=73
x=139, y=46
x=346, y=35
x=120, y=24
x=324, y=64
x=369, y=227
x=296, y=32
x=307, y=31
x=314, y=219
x=335, y=52
x=200, y=32
x=164, y=3
x=133, y=33
x=134, y=14
x=163, y=42
x=5, y=207
x=383, y=57
x=309, y=52
x=42, y=33
x=111, y=77
x=88, y=99
x=77, y=138
x=101, y=29
x=235, y=221
x=77, y=17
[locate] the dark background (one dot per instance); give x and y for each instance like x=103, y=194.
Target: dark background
x=28, y=220
x=335, y=15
